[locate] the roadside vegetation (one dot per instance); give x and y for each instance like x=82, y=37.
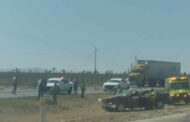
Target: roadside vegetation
x=30, y=79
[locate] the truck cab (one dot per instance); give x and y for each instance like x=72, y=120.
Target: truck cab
x=178, y=89
x=138, y=76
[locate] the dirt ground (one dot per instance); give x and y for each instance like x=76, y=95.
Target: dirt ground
x=75, y=109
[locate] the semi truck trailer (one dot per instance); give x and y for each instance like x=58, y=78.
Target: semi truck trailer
x=153, y=72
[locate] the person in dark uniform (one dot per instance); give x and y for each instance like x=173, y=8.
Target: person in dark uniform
x=83, y=88
x=39, y=88
x=54, y=93
x=14, y=83
x=76, y=83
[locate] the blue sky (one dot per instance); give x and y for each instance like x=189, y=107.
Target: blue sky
x=63, y=33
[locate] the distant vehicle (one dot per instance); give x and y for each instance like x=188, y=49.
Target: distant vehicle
x=152, y=72
x=64, y=86
x=178, y=88
x=134, y=99
x=116, y=83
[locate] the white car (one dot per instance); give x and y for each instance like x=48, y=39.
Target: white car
x=64, y=86
x=116, y=83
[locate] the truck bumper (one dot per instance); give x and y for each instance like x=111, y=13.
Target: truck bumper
x=175, y=99
x=109, y=88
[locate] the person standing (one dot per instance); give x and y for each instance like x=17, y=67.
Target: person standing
x=39, y=88
x=14, y=83
x=83, y=88
x=54, y=93
x=76, y=83
x=44, y=85
x=152, y=97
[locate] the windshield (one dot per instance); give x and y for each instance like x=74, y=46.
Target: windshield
x=176, y=86
x=126, y=92
x=114, y=81
x=53, y=81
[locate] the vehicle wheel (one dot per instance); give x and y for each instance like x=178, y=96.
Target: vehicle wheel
x=120, y=107
x=159, y=104
x=109, y=109
x=70, y=90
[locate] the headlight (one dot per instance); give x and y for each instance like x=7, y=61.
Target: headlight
x=171, y=95
x=100, y=100
x=177, y=95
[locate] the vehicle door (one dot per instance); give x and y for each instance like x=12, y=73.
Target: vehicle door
x=143, y=99
x=128, y=83
x=135, y=99
x=125, y=84
x=64, y=85
x=122, y=84
x=61, y=87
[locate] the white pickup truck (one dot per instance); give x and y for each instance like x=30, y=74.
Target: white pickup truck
x=64, y=85
x=115, y=83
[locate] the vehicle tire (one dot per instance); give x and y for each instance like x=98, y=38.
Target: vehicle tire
x=109, y=109
x=159, y=104
x=70, y=90
x=120, y=107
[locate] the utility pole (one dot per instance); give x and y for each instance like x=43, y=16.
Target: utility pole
x=42, y=111
x=95, y=56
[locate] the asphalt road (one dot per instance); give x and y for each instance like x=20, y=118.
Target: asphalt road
x=26, y=92
x=5, y=92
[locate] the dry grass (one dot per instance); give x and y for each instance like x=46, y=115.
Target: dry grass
x=71, y=109
x=81, y=110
